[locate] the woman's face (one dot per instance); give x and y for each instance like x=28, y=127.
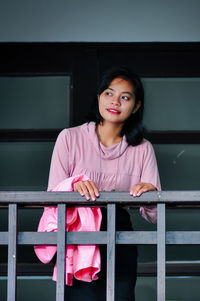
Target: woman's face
x=117, y=102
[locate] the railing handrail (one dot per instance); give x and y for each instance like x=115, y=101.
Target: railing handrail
x=188, y=197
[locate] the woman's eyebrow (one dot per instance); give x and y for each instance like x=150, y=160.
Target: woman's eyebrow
x=127, y=92
x=130, y=93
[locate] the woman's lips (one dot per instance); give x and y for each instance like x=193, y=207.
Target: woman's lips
x=113, y=111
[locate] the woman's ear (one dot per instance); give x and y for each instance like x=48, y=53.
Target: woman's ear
x=137, y=106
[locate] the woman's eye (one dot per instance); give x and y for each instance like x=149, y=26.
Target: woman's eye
x=108, y=93
x=125, y=97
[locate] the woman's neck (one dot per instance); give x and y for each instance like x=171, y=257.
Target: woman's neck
x=109, y=134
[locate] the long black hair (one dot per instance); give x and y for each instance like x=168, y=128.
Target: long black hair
x=132, y=128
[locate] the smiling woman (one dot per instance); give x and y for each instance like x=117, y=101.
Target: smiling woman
x=108, y=153
x=124, y=87
x=117, y=102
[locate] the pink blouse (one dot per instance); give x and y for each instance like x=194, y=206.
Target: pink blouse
x=118, y=167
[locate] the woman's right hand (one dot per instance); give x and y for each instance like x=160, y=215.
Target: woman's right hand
x=87, y=189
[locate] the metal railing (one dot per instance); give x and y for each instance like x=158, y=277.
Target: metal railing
x=111, y=237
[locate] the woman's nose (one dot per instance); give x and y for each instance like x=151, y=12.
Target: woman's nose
x=116, y=100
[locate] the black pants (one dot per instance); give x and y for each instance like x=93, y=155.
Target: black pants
x=125, y=270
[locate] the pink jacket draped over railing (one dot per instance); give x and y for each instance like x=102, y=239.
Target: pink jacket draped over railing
x=82, y=261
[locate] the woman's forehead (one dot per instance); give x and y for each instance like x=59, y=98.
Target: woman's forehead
x=122, y=84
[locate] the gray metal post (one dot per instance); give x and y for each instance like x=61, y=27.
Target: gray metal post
x=161, y=250
x=12, y=253
x=111, y=236
x=60, y=285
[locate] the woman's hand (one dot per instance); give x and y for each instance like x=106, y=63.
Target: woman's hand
x=87, y=189
x=139, y=188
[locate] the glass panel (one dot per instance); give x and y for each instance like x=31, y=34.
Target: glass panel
x=4, y=254
x=183, y=220
x=179, y=166
x=146, y=289
x=27, y=286
x=34, y=102
x=177, y=289
x=182, y=253
x=4, y=219
x=25, y=166
x=172, y=103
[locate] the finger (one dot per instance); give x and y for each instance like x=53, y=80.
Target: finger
x=78, y=188
x=145, y=187
x=82, y=189
x=96, y=190
x=134, y=191
x=142, y=190
x=85, y=188
x=90, y=190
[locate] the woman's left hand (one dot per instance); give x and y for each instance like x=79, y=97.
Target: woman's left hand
x=139, y=188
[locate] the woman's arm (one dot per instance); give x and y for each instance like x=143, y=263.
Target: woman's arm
x=149, y=181
x=59, y=169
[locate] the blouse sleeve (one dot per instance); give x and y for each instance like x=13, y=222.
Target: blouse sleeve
x=59, y=169
x=150, y=175
x=149, y=172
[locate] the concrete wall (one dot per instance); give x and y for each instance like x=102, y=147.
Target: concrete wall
x=101, y=21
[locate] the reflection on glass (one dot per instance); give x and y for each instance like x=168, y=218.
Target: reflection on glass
x=25, y=165
x=172, y=103
x=179, y=166
x=34, y=102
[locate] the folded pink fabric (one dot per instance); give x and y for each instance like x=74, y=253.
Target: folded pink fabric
x=82, y=261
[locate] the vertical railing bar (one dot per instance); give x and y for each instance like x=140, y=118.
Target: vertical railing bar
x=12, y=253
x=161, y=252
x=111, y=244
x=60, y=285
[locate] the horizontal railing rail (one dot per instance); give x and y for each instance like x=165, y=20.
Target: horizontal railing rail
x=187, y=197
x=111, y=237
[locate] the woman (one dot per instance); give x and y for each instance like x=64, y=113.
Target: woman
x=111, y=151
